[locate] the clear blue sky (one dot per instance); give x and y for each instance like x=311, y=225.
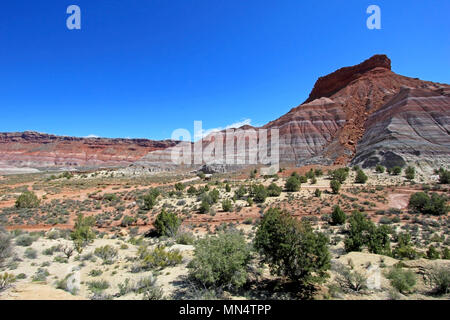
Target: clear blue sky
x=144, y=68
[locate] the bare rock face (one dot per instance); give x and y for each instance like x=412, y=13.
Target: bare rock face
x=38, y=150
x=413, y=126
x=364, y=112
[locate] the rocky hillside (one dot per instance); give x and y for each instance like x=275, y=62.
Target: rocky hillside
x=38, y=150
x=364, y=113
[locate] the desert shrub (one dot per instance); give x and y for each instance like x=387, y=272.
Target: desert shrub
x=214, y=195
x=110, y=197
x=240, y=192
x=95, y=273
x=439, y=278
x=445, y=253
x=127, y=221
x=435, y=204
x=404, y=249
x=150, y=199
x=27, y=199
x=318, y=172
x=379, y=168
x=30, y=253
x=159, y=257
x=340, y=174
x=221, y=261
x=5, y=246
x=167, y=224
x=179, y=186
x=227, y=205
x=83, y=233
x=40, y=275
x=273, y=190
x=204, y=206
x=362, y=232
x=291, y=248
x=444, y=176
x=360, y=177
x=227, y=187
x=410, y=173
x=191, y=190
x=432, y=253
x=348, y=279
x=25, y=240
x=259, y=193
x=335, y=186
x=318, y=193
x=107, y=253
x=338, y=216
x=98, y=286
x=292, y=184
x=6, y=279
x=402, y=280
x=395, y=170
x=184, y=237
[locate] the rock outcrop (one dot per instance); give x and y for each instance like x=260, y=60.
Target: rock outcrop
x=364, y=112
x=39, y=150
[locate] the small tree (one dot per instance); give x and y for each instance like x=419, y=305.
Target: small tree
x=167, y=224
x=291, y=248
x=227, y=188
x=340, y=174
x=360, y=176
x=338, y=216
x=221, y=261
x=396, y=170
x=83, y=234
x=204, y=206
x=335, y=186
x=292, y=184
x=150, y=199
x=318, y=193
x=27, y=199
x=444, y=176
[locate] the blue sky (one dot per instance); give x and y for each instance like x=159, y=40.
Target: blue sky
x=145, y=68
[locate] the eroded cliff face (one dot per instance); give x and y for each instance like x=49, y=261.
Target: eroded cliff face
x=364, y=112
x=414, y=126
x=38, y=150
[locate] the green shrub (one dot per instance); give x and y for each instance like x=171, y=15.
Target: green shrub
x=404, y=250
x=167, y=224
x=227, y=205
x=98, y=286
x=396, y=170
x=27, y=199
x=185, y=237
x=379, y=168
x=24, y=240
x=30, y=253
x=340, y=174
x=273, y=190
x=204, y=206
x=150, y=199
x=434, y=205
x=432, y=253
x=402, y=280
x=83, y=233
x=107, y=253
x=444, y=177
x=159, y=257
x=364, y=233
x=6, y=279
x=318, y=193
x=439, y=278
x=360, y=177
x=259, y=193
x=348, y=279
x=128, y=221
x=338, y=216
x=410, y=173
x=292, y=184
x=5, y=246
x=221, y=261
x=335, y=186
x=291, y=248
